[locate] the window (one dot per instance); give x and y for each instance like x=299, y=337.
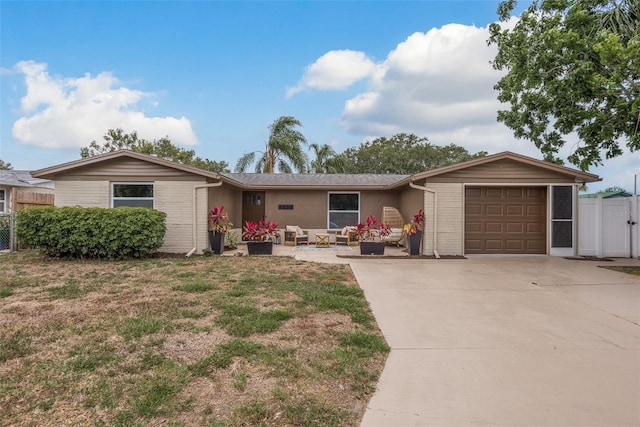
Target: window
x=3, y=200
x=344, y=210
x=133, y=194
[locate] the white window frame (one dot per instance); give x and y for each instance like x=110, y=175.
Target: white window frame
x=329, y=211
x=113, y=184
x=3, y=200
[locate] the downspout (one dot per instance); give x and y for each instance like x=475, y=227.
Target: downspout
x=435, y=215
x=194, y=231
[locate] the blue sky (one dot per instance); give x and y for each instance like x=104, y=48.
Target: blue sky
x=212, y=76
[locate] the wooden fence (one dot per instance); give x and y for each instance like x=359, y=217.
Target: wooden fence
x=24, y=199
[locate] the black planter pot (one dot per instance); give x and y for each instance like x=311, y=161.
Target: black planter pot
x=372, y=248
x=260, y=248
x=216, y=240
x=414, y=241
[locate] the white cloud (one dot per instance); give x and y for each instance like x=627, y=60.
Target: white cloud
x=437, y=84
x=71, y=112
x=336, y=69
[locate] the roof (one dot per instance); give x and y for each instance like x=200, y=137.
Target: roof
x=50, y=172
x=606, y=195
x=315, y=180
x=21, y=178
x=579, y=175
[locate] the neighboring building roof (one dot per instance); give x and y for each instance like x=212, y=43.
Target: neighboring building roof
x=20, y=178
x=315, y=180
x=579, y=176
x=606, y=195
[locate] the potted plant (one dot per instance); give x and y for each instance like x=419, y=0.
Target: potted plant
x=370, y=235
x=413, y=230
x=219, y=224
x=260, y=236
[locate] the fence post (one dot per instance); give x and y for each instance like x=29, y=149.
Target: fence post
x=599, y=226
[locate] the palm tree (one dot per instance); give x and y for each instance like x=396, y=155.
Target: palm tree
x=326, y=160
x=282, y=151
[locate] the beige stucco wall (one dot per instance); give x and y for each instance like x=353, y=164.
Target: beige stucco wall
x=175, y=198
x=310, y=207
x=89, y=194
x=450, y=218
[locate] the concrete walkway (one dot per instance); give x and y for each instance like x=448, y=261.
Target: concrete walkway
x=508, y=341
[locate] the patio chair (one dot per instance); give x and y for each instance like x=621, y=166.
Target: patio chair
x=347, y=236
x=392, y=217
x=294, y=235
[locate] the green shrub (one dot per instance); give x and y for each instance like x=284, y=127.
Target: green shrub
x=75, y=232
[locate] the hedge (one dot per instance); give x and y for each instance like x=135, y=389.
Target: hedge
x=75, y=232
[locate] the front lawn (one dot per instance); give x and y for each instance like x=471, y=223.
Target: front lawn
x=211, y=341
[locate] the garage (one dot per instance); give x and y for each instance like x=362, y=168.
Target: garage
x=505, y=220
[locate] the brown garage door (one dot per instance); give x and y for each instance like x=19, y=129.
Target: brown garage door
x=505, y=220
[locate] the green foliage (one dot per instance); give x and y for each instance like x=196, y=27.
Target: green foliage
x=231, y=239
x=283, y=151
x=117, y=139
x=573, y=67
x=75, y=232
x=326, y=160
x=401, y=154
x=5, y=165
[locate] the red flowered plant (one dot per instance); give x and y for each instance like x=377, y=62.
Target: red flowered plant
x=372, y=230
x=219, y=220
x=260, y=231
x=417, y=222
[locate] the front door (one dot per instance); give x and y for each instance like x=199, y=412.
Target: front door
x=252, y=206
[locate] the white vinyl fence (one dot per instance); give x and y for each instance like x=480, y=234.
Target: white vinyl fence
x=609, y=227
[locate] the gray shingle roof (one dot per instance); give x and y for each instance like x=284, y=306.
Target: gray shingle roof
x=315, y=180
x=18, y=178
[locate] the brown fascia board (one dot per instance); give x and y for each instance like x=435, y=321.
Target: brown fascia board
x=309, y=187
x=49, y=172
x=580, y=175
x=341, y=187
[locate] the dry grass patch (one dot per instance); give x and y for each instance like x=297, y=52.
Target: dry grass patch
x=217, y=341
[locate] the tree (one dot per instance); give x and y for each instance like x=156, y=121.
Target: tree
x=5, y=166
x=402, y=154
x=573, y=67
x=326, y=160
x=283, y=149
x=117, y=139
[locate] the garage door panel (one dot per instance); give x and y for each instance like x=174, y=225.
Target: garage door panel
x=535, y=228
x=493, y=245
x=536, y=246
x=515, y=245
x=493, y=227
x=505, y=220
x=515, y=210
x=493, y=210
x=474, y=245
x=514, y=227
x=491, y=193
x=514, y=192
x=534, y=210
x=473, y=227
x=474, y=209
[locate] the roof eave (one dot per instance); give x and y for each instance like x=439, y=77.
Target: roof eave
x=49, y=173
x=580, y=176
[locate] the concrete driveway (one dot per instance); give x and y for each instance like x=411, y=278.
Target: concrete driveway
x=508, y=341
